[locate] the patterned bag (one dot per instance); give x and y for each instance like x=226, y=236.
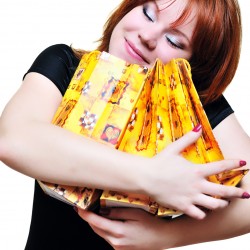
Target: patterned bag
x=136, y=110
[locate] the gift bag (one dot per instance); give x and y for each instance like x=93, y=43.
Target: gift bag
x=139, y=111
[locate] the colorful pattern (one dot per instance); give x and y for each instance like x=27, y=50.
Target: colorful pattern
x=139, y=111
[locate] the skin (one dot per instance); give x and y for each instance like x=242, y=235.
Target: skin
x=123, y=228
x=145, y=34
x=28, y=151
x=134, y=229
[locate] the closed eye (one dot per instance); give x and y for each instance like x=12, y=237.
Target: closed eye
x=148, y=13
x=173, y=43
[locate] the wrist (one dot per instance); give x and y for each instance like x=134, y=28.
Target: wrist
x=144, y=173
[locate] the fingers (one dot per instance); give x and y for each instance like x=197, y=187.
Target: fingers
x=182, y=143
x=218, y=190
x=90, y=217
x=123, y=213
x=211, y=203
x=86, y=215
x=222, y=166
x=97, y=221
x=100, y=225
x=194, y=212
x=206, y=202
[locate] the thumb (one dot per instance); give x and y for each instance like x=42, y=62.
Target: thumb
x=83, y=213
x=182, y=143
x=89, y=216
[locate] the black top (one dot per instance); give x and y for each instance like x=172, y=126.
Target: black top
x=54, y=224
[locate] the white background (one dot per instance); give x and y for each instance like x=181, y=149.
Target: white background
x=26, y=28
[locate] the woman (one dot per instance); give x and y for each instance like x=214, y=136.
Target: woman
x=54, y=223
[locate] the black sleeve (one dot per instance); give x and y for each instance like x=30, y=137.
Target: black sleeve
x=218, y=110
x=57, y=63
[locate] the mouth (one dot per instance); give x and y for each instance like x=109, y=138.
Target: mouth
x=135, y=52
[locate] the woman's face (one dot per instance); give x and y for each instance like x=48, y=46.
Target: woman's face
x=145, y=33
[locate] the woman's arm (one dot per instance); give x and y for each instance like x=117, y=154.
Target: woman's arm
x=136, y=229
x=30, y=144
x=159, y=234
x=33, y=146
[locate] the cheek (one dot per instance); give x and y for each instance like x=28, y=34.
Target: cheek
x=113, y=40
x=167, y=53
x=132, y=21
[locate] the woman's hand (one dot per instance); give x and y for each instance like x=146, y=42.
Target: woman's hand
x=177, y=183
x=137, y=229
x=168, y=178
x=128, y=228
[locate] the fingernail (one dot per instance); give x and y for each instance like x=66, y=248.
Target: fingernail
x=197, y=128
x=243, y=163
x=104, y=211
x=76, y=208
x=245, y=195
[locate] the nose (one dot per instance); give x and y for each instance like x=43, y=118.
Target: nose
x=149, y=37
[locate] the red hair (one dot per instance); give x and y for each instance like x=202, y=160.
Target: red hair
x=216, y=42
x=216, y=46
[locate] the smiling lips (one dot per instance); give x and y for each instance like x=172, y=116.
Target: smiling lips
x=134, y=52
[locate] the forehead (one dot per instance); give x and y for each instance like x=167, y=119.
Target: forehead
x=163, y=4
x=179, y=11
